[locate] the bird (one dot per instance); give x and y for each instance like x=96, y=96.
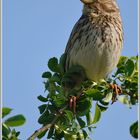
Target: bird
x=96, y=40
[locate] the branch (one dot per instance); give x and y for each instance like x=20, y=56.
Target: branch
x=47, y=126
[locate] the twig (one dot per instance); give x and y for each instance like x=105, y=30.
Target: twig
x=42, y=129
x=47, y=126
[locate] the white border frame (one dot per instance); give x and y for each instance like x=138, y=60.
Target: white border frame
x=138, y=72
x=1, y=70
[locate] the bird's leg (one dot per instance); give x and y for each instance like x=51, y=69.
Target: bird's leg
x=72, y=102
x=117, y=90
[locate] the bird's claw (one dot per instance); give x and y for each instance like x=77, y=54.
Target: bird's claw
x=72, y=103
x=116, y=91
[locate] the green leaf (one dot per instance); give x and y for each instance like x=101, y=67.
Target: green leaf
x=5, y=111
x=81, y=122
x=53, y=64
x=17, y=134
x=134, y=57
x=97, y=114
x=70, y=136
x=42, y=134
x=51, y=89
x=124, y=99
x=121, y=65
x=13, y=135
x=89, y=118
x=134, y=129
x=120, y=70
x=80, y=136
x=50, y=133
x=5, y=130
x=59, y=134
x=14, y=132
x=46, y=75
x=42, y=99
x=133, y=100
x=129, y=67
x=59, y=100
x=95, y=94
x=104, y=103
x=42, y=108
x=102, y=108
x=46, y=85
x=90, y=129
x=16, y=120
x=52, y=108
x=122, y=61
x=55, y=78
x=75, y=126
x=69, y=114
x=108, y=97
x=46, y=118
x=83, y=106
x=85, y=134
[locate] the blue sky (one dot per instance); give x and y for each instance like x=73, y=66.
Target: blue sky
x=34, y=31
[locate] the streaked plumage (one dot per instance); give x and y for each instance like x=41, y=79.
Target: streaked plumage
x=96, y=39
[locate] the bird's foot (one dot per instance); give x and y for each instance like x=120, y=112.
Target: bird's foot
x=116, y=91
x=72, y=102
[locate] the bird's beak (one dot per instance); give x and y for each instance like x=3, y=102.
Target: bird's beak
x=87, y=1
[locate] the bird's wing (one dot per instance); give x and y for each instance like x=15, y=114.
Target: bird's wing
x=75, y=34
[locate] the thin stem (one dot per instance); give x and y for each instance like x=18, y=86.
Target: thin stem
x=42, y=129
x=47, y=126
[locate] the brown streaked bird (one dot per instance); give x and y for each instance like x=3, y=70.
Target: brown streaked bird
x=96, y=39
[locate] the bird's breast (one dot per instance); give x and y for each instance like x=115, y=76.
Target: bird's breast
x=97, y=49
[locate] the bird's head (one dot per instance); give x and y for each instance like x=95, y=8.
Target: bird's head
x=88, y=1
x=101, y=6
